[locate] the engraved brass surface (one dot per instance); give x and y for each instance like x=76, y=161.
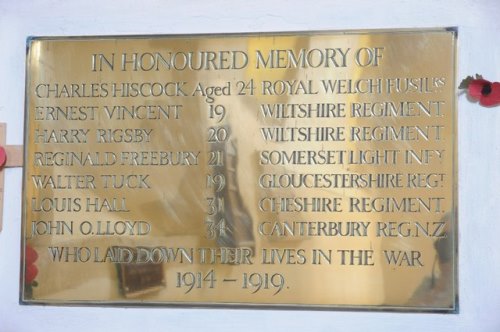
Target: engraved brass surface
x=302, y=169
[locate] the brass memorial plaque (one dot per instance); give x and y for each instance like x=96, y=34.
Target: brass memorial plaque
x=313, y=170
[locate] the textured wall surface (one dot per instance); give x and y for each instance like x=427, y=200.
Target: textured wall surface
x=478, y=151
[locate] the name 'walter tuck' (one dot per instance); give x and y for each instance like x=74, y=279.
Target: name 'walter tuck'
x=288, y=169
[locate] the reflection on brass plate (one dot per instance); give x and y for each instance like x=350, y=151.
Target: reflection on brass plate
x=313, y=170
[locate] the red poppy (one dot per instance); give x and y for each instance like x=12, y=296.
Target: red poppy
x=30, y=273
x=31, y=255
x=31, y=270
x=3, y=156
x=486, y=92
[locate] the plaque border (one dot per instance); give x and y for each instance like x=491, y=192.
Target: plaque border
x=240, y=305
